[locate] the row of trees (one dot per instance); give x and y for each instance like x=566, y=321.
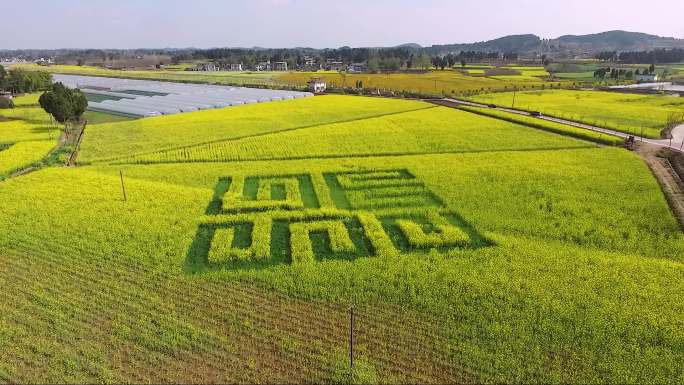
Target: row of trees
x=621, y=73
x=380, y=59
x=18, y=81
x=675, y=55
x=613, y=73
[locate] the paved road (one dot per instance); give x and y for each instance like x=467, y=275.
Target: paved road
x=677, y=142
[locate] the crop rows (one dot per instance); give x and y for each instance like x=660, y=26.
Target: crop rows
x=433, y=83
x=629, y=113
x=562, y=129
x=26, y=135
x=104, y=295
x=23, y=154
x=429, y=131
x=246, y=333
x=124, y=139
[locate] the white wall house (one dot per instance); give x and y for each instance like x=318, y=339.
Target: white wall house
x=263, y=66
x=646, y=78
x=317, y=85
x=280, y=66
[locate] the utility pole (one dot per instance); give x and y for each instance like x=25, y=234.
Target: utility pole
x=351, y=337
x=514, y=91
x=123, y=187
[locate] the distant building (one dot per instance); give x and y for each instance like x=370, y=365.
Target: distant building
x=334, y=65
x=234, y=67
x=646, y=78
x=263, y=66
x=44, y=62
x=280, y=66
x=357, y=68
x=207, y=67
x=317, y=85
x=6, y=95
x=309, y=64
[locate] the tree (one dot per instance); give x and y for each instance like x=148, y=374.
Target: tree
x=63, y=103
x=651, y=69
x=423, y=62
x=20, y=81
x=3, y=78
x=463, y=63
x=6, y=103
x=374, y=65
x=451, y=60
x=443, y=63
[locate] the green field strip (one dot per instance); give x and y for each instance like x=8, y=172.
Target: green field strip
x=415, y=132
x=624, y=112
x=553, y=127
x=377, y=155
x=222, y=140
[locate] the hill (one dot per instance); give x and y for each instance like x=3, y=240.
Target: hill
x=567, y=44
x=617, y=41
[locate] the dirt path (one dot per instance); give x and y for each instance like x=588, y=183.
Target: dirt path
x=670, y=182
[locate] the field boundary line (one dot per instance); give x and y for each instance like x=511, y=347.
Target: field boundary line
x=670, y=184
x=72, y=157
x=105, y=160
x=386, y=155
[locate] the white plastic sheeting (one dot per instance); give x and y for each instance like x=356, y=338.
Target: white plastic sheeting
x=169, y=98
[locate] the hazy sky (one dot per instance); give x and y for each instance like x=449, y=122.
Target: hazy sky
x=317, y=23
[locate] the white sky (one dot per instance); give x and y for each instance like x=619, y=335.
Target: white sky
x=318, y=23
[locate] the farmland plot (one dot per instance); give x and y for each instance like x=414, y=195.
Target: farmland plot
x=622, y=112
x=26, y=135
x=112, y=141
x=432, y=130
x=490, y=264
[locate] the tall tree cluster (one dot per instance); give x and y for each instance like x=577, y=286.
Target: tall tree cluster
x=19, y=81
x=63, y=103
x=675, y=55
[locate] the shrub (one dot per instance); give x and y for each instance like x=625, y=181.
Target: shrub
x=6, y=103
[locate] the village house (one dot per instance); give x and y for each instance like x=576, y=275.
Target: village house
x=309, y=64
x=357, y=68
x=263, y=66
x=646, y=78
x=334, y=65
x=280, y=66
x=317, y=85
x=207, y=67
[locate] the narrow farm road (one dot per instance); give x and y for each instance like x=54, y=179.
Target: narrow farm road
x=676, y=144
x=678, y=134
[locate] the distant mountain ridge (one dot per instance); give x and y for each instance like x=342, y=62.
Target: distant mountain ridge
x=567, y=44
